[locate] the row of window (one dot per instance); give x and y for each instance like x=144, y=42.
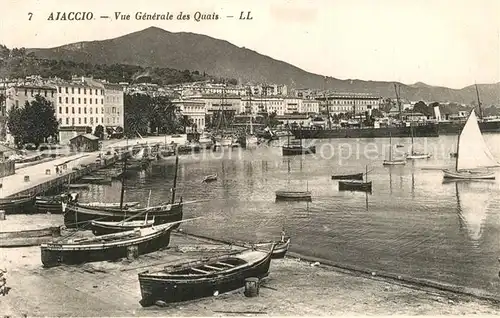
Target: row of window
x=352, y=101
x=91, y=121
x=39, y=92
x=79, y=100
x=90, y=90
x=113, y=110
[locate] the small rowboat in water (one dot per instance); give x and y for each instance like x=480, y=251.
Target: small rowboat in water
x=354, y=176
x=205, y=277
x=210, y=178
x=355, y=185
x=293, y=195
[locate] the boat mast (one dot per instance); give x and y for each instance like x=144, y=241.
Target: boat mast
x=397, y=99
x=327, y=99
x=122, y=193
x=390, y=147
x=366, y=173
x=479, y=104
x=175, y=175
x=458, y=148
x=288, y=133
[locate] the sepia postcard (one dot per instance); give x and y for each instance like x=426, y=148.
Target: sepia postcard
x=249, y=158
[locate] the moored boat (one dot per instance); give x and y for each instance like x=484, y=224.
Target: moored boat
x=105, y=227
x=210, y=178
x=393, y=161
x=105, y=247
x=205, y=277
x=293, y=195
x=77, y=215
x=291, y=150
x=473, y=154
x=354, y=176
x=355, y=185
x=53, y=204
x=17, y=204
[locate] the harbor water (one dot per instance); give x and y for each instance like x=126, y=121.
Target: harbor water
x=413, y=223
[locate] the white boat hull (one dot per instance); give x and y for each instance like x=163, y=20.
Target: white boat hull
x=394, y=162
x=418, y=156
x=468, y=175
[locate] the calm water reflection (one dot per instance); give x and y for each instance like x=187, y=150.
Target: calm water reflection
x=412, y=224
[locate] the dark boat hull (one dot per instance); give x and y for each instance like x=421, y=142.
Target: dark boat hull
x=75, y=216
x=292, y=151
x=429, y=130
x=53, y=257
x=358, y=186
x=175, y=290
x=18, y=205
x=454, y=128
x=355, y=176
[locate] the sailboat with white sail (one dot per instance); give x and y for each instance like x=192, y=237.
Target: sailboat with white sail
x=473, y=154
x=392, y=161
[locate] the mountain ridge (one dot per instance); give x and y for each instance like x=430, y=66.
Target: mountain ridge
x=156, y=47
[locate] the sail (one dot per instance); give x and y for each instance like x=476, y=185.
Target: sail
x=473, y=201
x=472, y=150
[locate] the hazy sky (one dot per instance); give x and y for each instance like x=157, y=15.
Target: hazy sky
x=451, y=43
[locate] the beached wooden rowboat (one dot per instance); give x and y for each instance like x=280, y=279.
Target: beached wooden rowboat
x=205, y=277
x=106, y=247
x=78, y=215
x=28, y=237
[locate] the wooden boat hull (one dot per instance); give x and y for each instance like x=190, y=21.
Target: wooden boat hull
x=55, y=255
x=293, y=196
x=418, y=156
x=170, y=289
x=18, y=205
x=103, y=228
x=210, y=179
x=394, y=162
x=354, y=176
x=466, y=175
x=52, y=204
x=280, y=249
x=79, y=216
x=28, y=237
x=292, y=151
x=355, y=186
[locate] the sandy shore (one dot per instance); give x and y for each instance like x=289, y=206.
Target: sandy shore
x=294, y=287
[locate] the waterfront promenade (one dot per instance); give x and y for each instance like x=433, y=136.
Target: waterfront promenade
x=37, y=173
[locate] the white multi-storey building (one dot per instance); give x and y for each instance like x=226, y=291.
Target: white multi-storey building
x=113, y=105
x=348, y=103
x=194, y=109
x=80, y=103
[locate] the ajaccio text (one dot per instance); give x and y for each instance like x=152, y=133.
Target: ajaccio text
x=70, y=16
